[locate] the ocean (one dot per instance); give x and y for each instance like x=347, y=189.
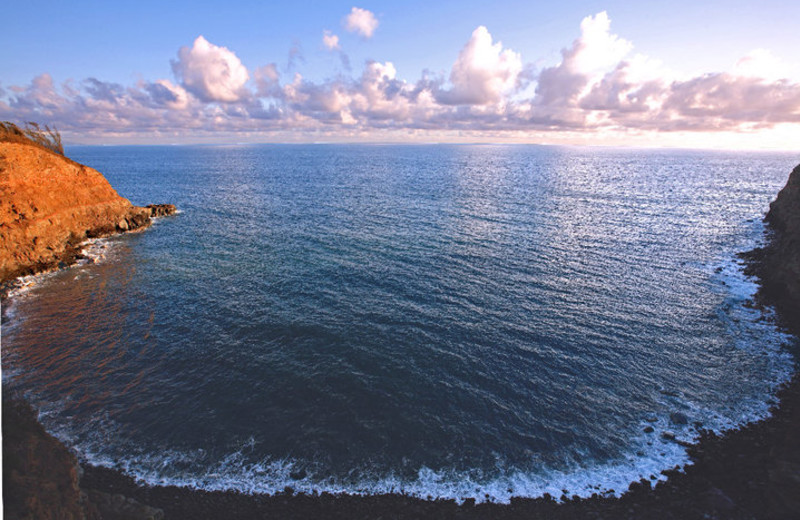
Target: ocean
x=446, y=321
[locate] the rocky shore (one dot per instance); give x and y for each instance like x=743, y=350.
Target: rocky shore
x=750, y=473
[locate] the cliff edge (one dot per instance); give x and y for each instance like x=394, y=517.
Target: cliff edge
x=49, y=204
x=777, y=264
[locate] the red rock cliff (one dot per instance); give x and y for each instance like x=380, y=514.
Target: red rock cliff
x=49, y=204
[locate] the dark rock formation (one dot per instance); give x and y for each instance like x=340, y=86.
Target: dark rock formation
x=40, y=476
x=777, y=265
x=120, y=507
x=781, y=272
x=161, y=210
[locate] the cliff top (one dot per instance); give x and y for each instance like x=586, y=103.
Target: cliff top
x=33, y=134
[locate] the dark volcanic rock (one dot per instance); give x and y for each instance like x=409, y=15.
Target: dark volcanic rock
x=161, y=210
x=120, y=507
x=678, y=418
x=41, y=478
x=784, y=211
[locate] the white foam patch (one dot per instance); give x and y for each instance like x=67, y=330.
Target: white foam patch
x=236, y=473
x=94, y=251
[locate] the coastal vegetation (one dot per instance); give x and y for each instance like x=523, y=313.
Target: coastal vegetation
x=32, y=133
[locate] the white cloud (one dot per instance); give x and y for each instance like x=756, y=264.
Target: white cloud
x=210, y=72
x=597, y=49
x=761, y=63
x=361, y=21
x=483, y=72
x=591, y=55
x=330, y=40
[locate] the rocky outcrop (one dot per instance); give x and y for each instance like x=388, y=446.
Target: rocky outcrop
x=161, y=210
x=49, y=204
x=40, y=476
x=777, y=265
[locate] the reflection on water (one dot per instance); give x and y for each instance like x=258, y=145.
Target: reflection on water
x=89, y=306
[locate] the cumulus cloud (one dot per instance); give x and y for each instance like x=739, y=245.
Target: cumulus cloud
x=592, y=53
x=210, y=72
x=330, y=40
x=483, y=72
x=41, y=93
x=717, y=101
x=361, y=21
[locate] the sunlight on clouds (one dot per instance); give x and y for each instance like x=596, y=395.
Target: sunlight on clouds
x=761, y=63
x=483, y=73
x=330, y=40
x=600, y=92
x=172, y=96
x=597, y=49
x=211, y=73
x=361, y=21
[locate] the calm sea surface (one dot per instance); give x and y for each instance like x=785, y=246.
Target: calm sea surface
x=445, y=321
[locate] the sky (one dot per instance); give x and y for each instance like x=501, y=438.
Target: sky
x=707, y=74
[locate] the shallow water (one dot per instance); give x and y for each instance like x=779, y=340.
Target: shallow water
x=446, y=321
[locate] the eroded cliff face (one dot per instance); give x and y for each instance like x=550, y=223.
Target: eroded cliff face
x=49, y=204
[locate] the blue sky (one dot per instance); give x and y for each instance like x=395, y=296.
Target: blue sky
x=133, y=45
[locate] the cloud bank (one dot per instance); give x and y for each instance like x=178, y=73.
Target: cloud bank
x=598, y=86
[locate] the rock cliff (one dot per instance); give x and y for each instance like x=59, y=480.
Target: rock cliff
x=778, y=264
x=49, y=204
x=40, y=476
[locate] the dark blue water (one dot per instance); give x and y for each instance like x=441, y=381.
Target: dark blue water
x=452, y=321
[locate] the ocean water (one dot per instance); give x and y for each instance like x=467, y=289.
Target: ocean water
x=444, y=321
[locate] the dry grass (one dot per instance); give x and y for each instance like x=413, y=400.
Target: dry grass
x=34, y=133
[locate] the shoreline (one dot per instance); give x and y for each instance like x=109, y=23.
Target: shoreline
x=749, y=472
x=746, y=473
x=75, y=247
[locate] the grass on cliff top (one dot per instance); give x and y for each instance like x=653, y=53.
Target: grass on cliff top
x=33, y=133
